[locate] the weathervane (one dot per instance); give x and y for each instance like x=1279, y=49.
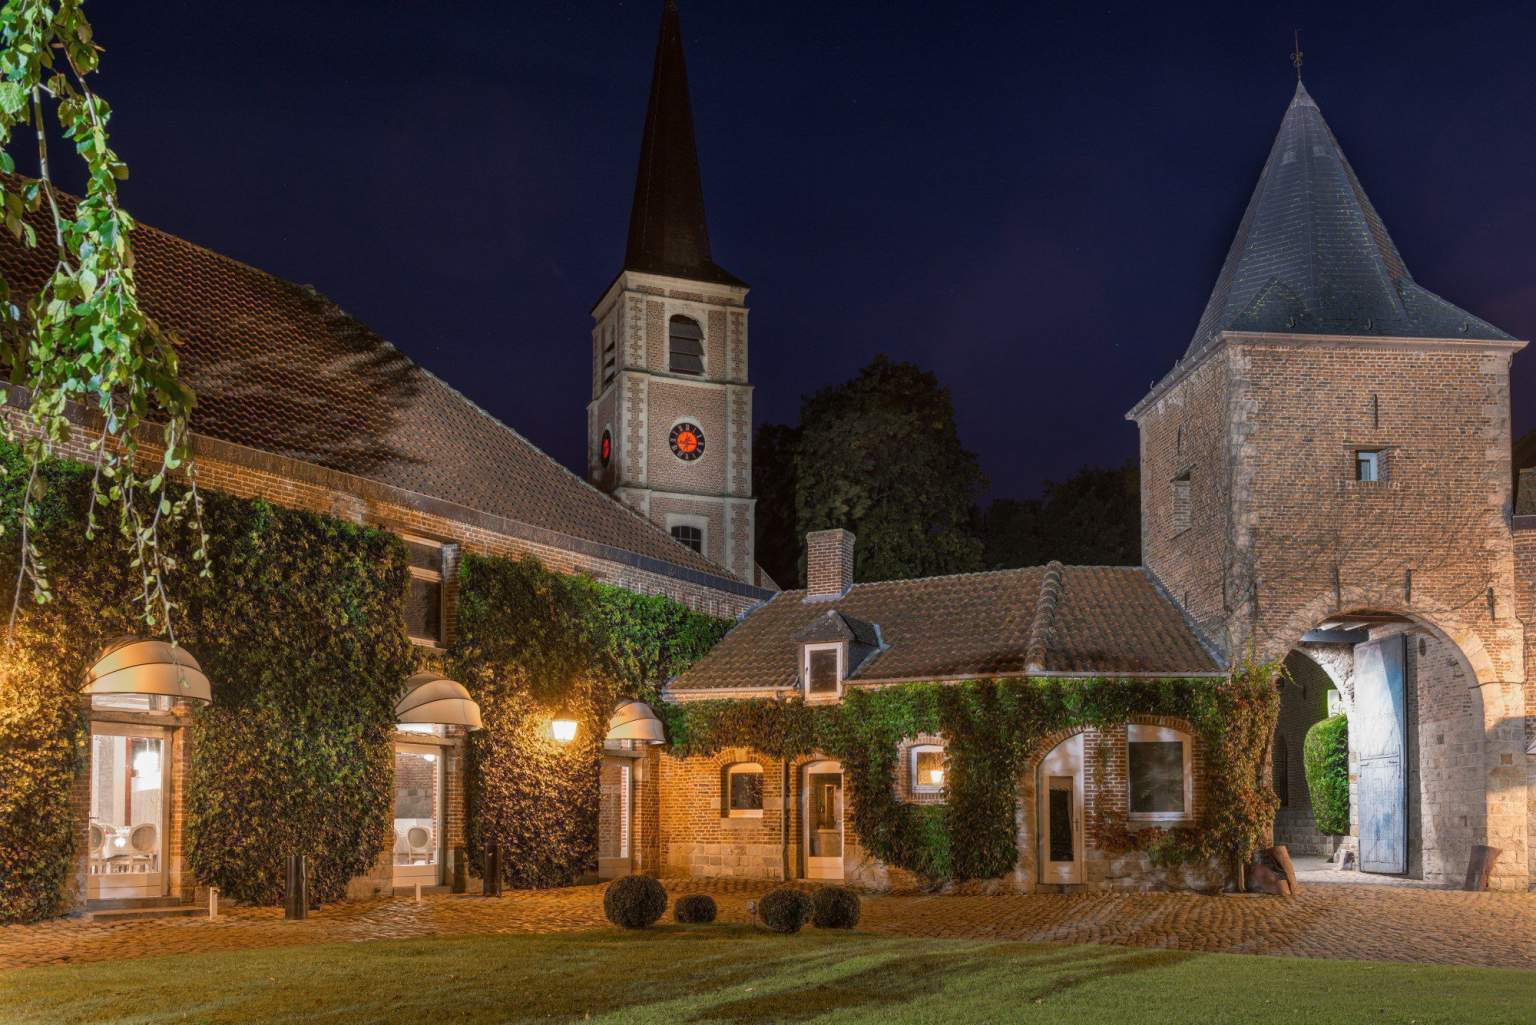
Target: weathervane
x=1296, y=55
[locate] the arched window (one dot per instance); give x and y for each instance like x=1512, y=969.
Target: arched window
x=743, y=791
x=1282, y=771
x=927, y=768
x=686, y=346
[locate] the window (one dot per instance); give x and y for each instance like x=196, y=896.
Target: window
x=1178, y=503
x=610, y=357
x=693, y=537
x=1368, y=465
x=686, y=345
x=424, y=600
x=744, y=791
x=823, y=671
x=1161, y=783
x=927, y=768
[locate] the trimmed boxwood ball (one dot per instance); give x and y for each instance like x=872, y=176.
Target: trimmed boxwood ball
x=834, y=907
x=785, y=910
x=695, y=909
x=634, y=902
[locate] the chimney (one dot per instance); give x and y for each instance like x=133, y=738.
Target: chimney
x=828, y=564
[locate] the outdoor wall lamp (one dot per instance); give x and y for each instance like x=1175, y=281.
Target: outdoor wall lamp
x=563, y=728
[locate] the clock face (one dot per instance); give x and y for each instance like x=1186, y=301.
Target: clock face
x=605, y=448
x=687, y=442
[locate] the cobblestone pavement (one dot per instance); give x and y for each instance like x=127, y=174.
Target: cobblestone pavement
x=1371, y=923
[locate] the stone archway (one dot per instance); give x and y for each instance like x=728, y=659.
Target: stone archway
x=1434, y=795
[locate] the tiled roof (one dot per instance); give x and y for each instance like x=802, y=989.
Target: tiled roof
x=1041, y=620
x=1312, y=256
x=278, y=367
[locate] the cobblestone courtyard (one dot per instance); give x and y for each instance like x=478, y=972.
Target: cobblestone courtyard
x=1369, y=923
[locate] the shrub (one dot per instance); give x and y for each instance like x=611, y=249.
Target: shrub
x=834, y=907
x=1325, y=753
x=785, y=910
x=694, y=909
x=634, y=902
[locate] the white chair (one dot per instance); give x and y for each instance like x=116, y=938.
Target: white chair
x=98, y=842
x=144, y=841
x=420, y=841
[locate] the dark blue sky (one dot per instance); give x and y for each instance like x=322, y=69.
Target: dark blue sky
x=1031, y=200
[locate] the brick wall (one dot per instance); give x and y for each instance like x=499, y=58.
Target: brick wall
x=828, y=562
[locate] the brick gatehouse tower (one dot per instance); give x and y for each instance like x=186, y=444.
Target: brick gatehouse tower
x=669, y=426
x=1326, y=478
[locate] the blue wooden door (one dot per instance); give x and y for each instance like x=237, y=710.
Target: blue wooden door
x=1380, y=738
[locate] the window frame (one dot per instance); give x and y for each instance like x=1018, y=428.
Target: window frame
x=743, y=769
x=700, y=523
x=439, y=578
x=1376, y=458
x=923, y=789
x=1141, y=733
x=822, y=697
x=701, y=355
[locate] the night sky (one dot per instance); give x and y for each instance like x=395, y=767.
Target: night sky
x=1032, y=201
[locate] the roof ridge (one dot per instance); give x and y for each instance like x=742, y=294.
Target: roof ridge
x=1042, y=629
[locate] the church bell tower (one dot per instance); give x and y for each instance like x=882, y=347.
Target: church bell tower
x=669, y=426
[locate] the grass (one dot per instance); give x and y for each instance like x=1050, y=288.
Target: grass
x=734, y=974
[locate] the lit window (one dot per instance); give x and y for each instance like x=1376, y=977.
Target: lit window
x=1178, y=503
x=424, y=599
x=1160, y=778
x=691, y=536
x=686, y=345
x=1368, y=466
x=823, y=670
x=744, y=791
x=927, y=768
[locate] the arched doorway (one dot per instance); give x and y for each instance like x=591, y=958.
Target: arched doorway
x=1417, y=772
x=1060, y=790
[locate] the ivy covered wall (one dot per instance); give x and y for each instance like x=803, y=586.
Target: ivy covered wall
x=532, y=644
x=300, y=630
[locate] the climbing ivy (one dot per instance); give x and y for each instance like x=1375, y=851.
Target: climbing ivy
x=302, y=636
x=531, y=644
x=991, y=728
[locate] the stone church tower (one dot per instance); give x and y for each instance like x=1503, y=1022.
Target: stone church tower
x=669, y=426
x=1325, y=478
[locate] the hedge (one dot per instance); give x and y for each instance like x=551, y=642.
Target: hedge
x=1325, y=755
x=300, y=629
x=531, y=644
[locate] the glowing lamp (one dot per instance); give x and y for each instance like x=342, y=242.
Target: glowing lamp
x=563, y=728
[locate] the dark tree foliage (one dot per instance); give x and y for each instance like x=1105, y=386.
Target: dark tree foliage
x=774, y=453
x=1091, y=519
x=880, y=456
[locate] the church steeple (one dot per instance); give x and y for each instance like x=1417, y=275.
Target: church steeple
x=1312, y=256
x=668, y=233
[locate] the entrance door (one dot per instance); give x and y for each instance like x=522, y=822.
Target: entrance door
x=1061, y=813
x=418, y=814
x=126, y=843
x=822, y=811
x=615, y=804
x=1379, y=734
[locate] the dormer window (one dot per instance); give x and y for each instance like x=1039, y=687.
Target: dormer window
x=686, y=346
x=823, y=671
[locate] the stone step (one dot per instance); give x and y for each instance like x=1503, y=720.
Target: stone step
x=144, y=913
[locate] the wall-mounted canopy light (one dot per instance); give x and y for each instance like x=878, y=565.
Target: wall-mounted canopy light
x=434, y=700
x=130, y=665
x=635, y=721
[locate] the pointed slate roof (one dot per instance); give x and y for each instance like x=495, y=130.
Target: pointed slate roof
x=667, y=230
x=1312, y=256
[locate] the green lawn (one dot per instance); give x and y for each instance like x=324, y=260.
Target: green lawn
x=735, y=974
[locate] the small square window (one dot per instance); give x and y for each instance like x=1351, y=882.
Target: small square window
x=691, y=536
x=927, y=769
x=1368, y=466
x=744, y=791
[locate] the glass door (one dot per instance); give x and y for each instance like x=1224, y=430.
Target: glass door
x=615, y=803
x=822, y=808
x=126, y=841
x=1061, y=813
x=418, y=814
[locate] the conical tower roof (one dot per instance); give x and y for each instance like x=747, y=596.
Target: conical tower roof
x=1312, y=256
x=668, y=233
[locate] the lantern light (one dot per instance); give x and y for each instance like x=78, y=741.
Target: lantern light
x=563, y=728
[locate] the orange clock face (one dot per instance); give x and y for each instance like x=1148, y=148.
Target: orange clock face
x=687, y=442
x=605, y=448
